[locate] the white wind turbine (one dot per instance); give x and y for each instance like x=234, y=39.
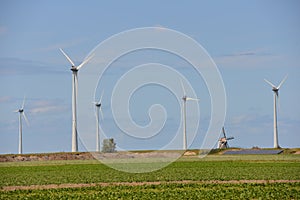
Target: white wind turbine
x=21, y=113
x=276, y=97
x=98, y=110
x=74, y=70
x=185, y=98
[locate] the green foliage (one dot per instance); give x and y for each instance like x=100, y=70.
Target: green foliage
x=285, y=167
x=212, y=168
x=166, y=191
x=109, y=145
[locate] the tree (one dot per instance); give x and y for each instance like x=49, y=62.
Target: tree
x=109, y=145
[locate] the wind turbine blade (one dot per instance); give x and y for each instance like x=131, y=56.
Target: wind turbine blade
x=282, y=81
x=101, y=113
x=101, y=97
x=278, y=100
x=16, y=111
x=184, y=93
x=69, y=59
x=270, y=83
x=192, y=99
x=85, y=61
x=76, y=86
x=23, y=104
x=182, y=112
x=26, y=120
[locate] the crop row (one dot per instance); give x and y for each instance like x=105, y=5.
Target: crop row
x=180, y=170
x=165, y=191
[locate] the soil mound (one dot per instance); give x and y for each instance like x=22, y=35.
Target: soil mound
x=43, y=157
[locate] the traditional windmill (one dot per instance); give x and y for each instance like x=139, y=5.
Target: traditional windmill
x=223, y=141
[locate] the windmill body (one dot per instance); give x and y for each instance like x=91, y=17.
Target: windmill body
x=275, y=89
x=74, y=70
x=223, y=141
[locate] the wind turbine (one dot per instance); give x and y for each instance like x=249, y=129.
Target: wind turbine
x=21, y=113
x=74, y=70
x=185, y=98
x=98, y=110
x=276, y=97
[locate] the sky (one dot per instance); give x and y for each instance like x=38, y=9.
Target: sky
x=247, y=40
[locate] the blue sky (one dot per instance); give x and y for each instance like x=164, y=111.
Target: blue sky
x=248, y=40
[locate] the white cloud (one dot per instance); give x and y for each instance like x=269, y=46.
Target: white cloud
x=3, y=30
x=17, y=66
x=5, y=99
x=45, y=106
x=255, y=52
x=248, y=59
x=67, y=44
x=250, y=119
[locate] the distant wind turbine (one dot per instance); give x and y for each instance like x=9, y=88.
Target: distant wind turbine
x=74, y=70
x=98, y=110
x=21, y=113
x=276, y=97
x=185, y=98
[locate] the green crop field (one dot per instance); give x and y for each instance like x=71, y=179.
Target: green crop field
x=187, y=178
x=166, y=191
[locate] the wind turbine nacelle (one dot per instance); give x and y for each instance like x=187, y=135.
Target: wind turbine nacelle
x=98, y=104
x=74, y=69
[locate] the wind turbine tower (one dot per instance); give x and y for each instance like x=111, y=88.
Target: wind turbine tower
x=276, y=97
x=21, y=113
x=98, y=110
x=75, y=70
x=185, y=98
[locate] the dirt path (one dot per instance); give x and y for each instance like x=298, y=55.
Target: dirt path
x=78, y=185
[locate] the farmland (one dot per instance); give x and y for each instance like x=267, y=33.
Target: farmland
x=216, y=176
x=166, y=191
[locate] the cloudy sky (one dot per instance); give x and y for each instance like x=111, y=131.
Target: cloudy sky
x=248, y=41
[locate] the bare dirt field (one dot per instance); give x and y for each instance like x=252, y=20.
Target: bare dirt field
x=88, y=156
x=93, y=155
